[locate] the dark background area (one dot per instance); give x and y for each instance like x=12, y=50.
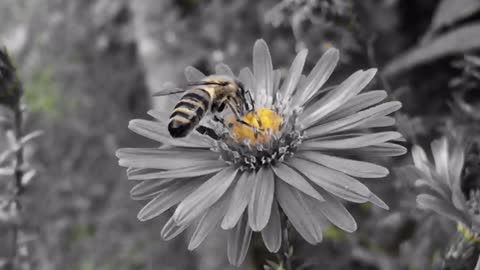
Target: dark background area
x=89, y=67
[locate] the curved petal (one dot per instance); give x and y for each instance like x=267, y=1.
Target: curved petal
x=172, y=230
x=262, y=71
x=260, y=205
x=336, y=213
x=193, y=75
x=334, y=99
x=246, y=76
x=356, y=104
x=162, y=158
x=291, y=82
x=277, y=78
x=352, y=143
x=335, y=182
x=293, y=178
x=317, y=77
x=354, y=120
x=293, y=205
x=199, y=170
x=441, y=207
x=383, y=121
x=440, y=156
x=164, y=201
x=147, y=189
x=351, y=167
x=209, y=221
x=272, y=233
x=374, y=199
x=205, y=196
x=240, y=198
x=158, y=132
x=223, y=69
x=380, y=150
x=239, y=242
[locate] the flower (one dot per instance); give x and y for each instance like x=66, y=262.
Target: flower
x=443, y=182
x=295, y=158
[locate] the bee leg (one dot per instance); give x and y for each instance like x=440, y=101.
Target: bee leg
x=252, y=103
x=208, y=131
x=216, y=118
x=237, y=116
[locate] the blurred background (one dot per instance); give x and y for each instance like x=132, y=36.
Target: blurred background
x=90, y=66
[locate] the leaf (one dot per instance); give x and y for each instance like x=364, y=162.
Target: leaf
x=457, y=41
x=451, y=11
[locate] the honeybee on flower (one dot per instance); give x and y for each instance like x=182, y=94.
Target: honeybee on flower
x=294, y=158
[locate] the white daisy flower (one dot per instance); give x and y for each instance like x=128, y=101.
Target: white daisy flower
x=300, y=163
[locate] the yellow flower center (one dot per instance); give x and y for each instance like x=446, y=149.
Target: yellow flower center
x=261, y=125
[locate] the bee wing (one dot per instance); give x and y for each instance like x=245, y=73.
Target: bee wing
x=168, y=91
x=204, y=83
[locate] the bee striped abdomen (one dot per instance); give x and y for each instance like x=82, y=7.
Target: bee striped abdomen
x=188, y=112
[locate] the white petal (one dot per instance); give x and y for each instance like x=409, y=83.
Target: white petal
x=260, y=205
x=442, y=207
x=378, y=202
x=147, y=189
x=209, y=221
x=240, y=198
x=223, y=69
x=277, y=78
x=352, y=143
x=440, y=155
x=162, y=158
x=172, y=230
x=246, y=76
x=293, y=178
x=293, y=205
x=205, y=196
x=334, y=99
x=291, y=82
x=336, y=213
x=158, y=132
x=354, y=120
x=381, y=150
x=356, y=104
x=172, y=196
x=272, y=233
x=351, y=167
x=239, y=242
x=384, y=121
x=317, y=77
x=262, y=69
x=193, y=75
x=335, y=182
x=204, y=169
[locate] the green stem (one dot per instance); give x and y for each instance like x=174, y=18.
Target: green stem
x=18, y=186
x=284, y=253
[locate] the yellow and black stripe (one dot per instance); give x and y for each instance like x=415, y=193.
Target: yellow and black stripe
x=189, y=111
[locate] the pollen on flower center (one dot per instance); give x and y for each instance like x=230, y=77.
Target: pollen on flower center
x=258, y=126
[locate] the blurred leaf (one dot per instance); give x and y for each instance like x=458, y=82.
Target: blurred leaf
x=42, y=94
x=334, y=234
x=458, y=41
x=451, y=11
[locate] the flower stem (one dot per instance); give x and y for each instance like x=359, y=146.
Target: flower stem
x=18, y=186
x=284, y=254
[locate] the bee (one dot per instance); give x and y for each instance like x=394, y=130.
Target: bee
x=209, y=95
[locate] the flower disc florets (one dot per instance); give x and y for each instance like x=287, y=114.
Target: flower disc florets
x=262, y=138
